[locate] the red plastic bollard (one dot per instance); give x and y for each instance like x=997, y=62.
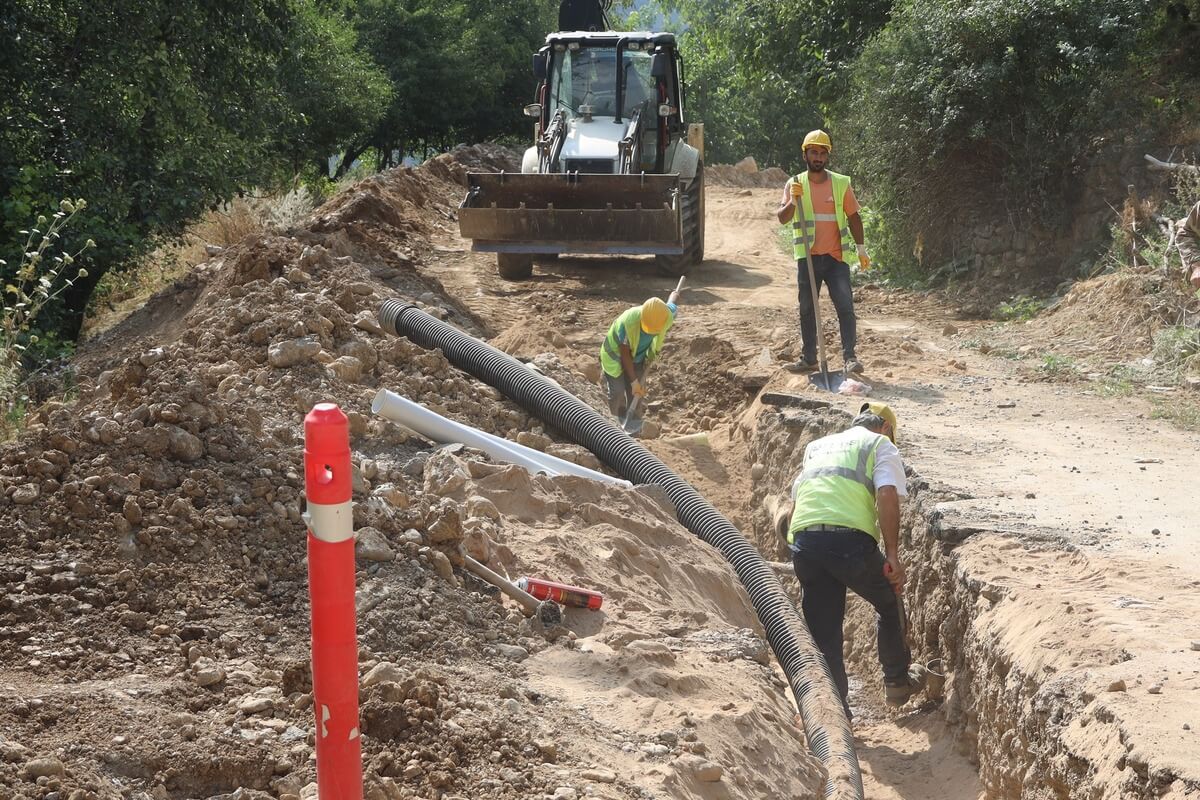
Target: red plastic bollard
x=330, y=521
x=561, y=593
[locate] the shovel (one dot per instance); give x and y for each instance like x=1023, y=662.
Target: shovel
x=823, y=378
x=632, y=422
x=887, y=570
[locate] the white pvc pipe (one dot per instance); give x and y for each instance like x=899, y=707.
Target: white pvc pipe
x=392, y=406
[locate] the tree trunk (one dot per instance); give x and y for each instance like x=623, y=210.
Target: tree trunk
x=351, y=155
x=75, y=301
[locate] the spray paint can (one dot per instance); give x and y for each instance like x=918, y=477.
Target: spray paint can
x=561, y=593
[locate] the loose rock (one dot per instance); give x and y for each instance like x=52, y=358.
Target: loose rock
x=599, y=775
x=44, y=768
x=370, y=545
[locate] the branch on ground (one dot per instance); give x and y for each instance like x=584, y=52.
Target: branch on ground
x=1169, y=166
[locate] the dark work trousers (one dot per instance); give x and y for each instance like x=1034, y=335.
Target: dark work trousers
x=836, y=275
x=827, y=564
x=620, y=392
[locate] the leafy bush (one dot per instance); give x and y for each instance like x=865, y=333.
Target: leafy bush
x=1056, y=366
x=985, y=111
x=1019, y=308
x=1176, y=353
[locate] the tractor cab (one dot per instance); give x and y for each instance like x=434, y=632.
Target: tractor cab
x=599, y=105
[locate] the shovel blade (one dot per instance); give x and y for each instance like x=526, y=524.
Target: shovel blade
x=829, y=381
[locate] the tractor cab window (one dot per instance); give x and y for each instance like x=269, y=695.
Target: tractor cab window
x=588, y=77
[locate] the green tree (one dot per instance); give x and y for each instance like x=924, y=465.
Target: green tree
x=988, y=113
x=157, y=110
x=335, y=90
x=461, y=70
x=807, y=44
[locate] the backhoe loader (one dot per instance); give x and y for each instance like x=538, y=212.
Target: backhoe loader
x=611, y=170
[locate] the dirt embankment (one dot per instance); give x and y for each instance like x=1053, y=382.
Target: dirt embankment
x=1067, y=672
x=153, y=615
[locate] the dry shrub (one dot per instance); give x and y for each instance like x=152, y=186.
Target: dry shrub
x=1113, y=316
x=123, y=291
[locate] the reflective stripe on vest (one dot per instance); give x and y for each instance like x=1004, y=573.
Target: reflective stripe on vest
x=837, y=486
x=858, y=473
x=804, y=220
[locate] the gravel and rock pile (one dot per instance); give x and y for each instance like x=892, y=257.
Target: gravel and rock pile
x=153, y=595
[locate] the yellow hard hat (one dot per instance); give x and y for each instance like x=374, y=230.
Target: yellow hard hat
x=818, y=138
x=884, y=411
x=655, y=315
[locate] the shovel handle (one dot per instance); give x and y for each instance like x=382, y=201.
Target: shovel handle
x=887, y=571
x=679, y=286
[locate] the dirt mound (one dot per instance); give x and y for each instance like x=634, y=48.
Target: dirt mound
x=744, y=177
x=1113, y=317
x=687, y=400
x=154, y=603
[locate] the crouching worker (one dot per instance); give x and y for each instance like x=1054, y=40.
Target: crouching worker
x=633, y=342
x=845, y=499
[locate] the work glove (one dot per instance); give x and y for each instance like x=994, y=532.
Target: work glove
x=797, y=190
x=864, y=260
x=639, y=391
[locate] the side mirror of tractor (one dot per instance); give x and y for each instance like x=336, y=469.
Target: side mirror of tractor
x=533, y=110
x=660, y=65
x=539, y=66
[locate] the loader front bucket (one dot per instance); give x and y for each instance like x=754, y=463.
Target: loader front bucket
x=572, y=213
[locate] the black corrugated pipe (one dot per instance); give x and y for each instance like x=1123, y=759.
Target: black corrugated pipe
x=825, y=724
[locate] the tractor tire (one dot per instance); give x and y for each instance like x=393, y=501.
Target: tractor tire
x=693, y=230
x=514, y=266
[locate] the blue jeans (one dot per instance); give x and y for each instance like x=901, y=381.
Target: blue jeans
x=827, y=564
x=836, y=275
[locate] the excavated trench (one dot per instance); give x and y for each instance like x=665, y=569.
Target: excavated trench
x=1021, y=718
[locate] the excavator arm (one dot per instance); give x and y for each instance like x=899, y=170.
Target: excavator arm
x=584, y=15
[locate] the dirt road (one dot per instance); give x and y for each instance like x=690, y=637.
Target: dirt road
x=1097, y=483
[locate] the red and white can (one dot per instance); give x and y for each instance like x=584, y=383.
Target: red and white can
x=561, y=593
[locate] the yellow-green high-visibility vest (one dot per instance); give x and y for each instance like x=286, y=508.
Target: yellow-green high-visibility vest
x=804, y=220
x=837, y=485
x=631, y=321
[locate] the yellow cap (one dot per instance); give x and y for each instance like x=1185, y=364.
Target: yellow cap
x=655, y=315
x=884, y=411
x=817, y=138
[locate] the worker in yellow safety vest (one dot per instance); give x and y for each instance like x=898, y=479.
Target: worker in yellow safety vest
x=846, y=498
x=823, y=212
x=634, y=340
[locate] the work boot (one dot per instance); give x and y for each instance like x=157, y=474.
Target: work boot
x=854, y=365
x=897, y=691
x=802, y=366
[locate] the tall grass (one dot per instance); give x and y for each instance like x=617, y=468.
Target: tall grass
x=121, y=292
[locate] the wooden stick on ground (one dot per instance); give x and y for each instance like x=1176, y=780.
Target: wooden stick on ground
x=528, y=603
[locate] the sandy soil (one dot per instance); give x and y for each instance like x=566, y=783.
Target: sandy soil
x=1096, y=480
x=153, y=622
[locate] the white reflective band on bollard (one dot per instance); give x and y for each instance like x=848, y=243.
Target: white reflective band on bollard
x=330, y=523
